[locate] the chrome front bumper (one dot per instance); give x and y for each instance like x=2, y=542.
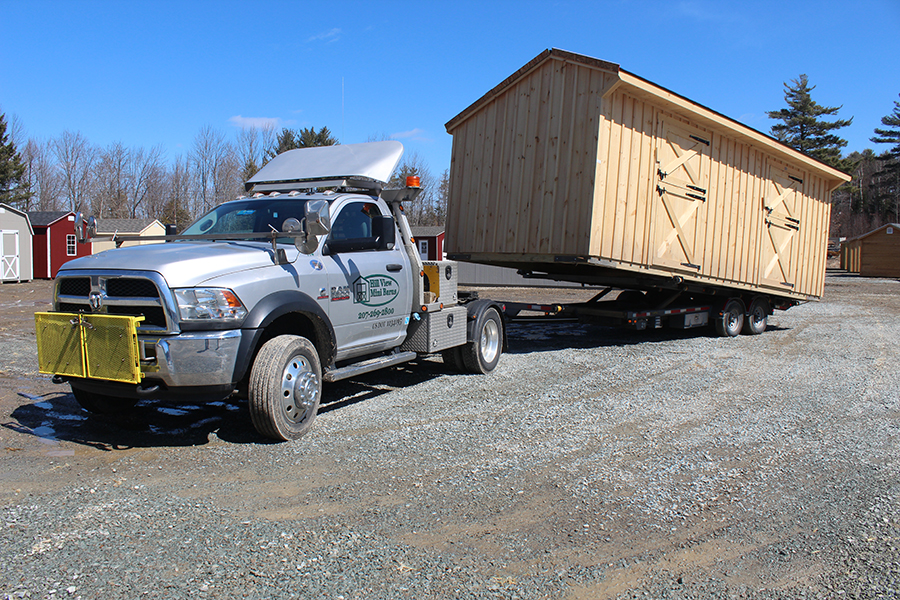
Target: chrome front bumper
x=191, y=359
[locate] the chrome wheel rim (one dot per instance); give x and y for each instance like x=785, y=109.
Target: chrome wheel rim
x=299, y=389
x=490, y=341
x=758, y=316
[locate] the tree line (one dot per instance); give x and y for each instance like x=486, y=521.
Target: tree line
x=70, y=173
x=117, y=181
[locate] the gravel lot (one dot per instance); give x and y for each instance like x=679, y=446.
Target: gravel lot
x=593, y=463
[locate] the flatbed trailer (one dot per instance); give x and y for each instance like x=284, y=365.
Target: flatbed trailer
x=637, y=310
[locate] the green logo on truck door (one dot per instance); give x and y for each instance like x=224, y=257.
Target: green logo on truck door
x=375, y=290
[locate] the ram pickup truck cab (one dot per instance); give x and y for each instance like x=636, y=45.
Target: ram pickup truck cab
x=313, y=277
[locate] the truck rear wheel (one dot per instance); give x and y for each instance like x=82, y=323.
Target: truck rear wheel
x=482, y=354
x=731, y=321
x=100, y=404
x=453, y=359
x=285, y=387
x=757, y=317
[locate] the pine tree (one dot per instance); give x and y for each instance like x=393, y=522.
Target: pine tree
x=13, y=188
x=307, y=137
x=888, y=180
x=802, y=127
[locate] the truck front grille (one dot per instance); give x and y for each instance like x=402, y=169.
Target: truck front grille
x=75, y=286
x=133, y=296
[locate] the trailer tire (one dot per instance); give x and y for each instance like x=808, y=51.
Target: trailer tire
x=100, y=404
x=285, y=387
x=482, y=354
x=757, y=317
x=730, y=322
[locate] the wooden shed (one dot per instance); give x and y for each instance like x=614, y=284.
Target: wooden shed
x=15, y=245
x=873, y=254
x=430, y=241
x=54, y=242
x=575, y=167
x=131, y=227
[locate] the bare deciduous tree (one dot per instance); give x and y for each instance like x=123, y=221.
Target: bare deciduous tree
x=215, y=167
x=75, y=158
x=110, y=174
x=42, y=177
x=145, y=169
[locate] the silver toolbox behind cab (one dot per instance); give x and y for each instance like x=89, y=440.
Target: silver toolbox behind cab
x=437, y=331
x=443, y=280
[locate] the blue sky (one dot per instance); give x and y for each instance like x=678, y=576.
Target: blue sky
x=154, y=73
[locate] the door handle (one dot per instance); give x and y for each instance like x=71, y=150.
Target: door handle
x=394, y=267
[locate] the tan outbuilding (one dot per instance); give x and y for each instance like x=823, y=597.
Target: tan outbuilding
x=873, y=254
x=576, y=168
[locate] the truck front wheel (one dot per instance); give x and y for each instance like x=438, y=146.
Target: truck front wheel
x=285, y=387
x=482, y=354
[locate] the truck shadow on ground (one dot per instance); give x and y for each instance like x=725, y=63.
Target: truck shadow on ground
x=57, y=416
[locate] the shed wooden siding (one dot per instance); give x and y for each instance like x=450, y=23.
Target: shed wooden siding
x=525, y=162
x=874, y=254
x=567, y=157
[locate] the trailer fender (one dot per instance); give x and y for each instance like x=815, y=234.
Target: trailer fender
x=475, y=309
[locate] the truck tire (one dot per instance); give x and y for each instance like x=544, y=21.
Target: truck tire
x=731, y=321
x=482, y=354
x=102, y=405
x=285, y=387
x=757, y=317
x=453, y=359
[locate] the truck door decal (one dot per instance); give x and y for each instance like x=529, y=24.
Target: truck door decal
x=375, y=290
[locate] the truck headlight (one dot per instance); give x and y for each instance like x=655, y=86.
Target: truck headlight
x=209, y=304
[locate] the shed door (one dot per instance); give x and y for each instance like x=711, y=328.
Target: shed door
x=9, y=263
x=682, y=183
x=779, y=250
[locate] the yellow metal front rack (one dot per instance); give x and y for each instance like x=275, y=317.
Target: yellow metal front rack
x=93, y=346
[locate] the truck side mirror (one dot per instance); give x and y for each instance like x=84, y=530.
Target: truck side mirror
x=79, y=228
x=317, y=222
x=384, y=231
x=318, y=217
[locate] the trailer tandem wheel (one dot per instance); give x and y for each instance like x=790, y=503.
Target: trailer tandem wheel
x=731, y=320
x=757, y=316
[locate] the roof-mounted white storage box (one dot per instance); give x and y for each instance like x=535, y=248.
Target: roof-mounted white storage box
x=579, y=169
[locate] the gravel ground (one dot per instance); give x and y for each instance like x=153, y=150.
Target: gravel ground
x=593, y=463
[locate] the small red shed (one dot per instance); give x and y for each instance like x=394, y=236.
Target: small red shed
x=54, y=242
x=430, y=241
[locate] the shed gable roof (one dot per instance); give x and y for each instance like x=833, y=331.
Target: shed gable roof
x=427, y=231
x=659, y=95
x=109, y=226
x=873, y=232
x=20, y=213
x=46, y=218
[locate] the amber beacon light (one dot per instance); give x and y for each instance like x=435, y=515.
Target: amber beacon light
x=412, y=181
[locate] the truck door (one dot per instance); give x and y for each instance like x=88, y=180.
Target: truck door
x=369, y=289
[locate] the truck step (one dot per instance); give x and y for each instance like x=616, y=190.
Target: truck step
x=368, y=365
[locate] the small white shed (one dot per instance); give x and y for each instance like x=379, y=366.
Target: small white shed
x=16, y=233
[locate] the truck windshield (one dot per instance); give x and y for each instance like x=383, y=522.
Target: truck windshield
x=248, y=216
